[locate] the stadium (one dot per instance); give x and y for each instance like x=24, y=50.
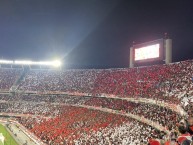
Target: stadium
x=95, y=72
x=95, y=106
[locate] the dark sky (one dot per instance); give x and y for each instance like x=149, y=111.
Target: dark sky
x=92, y=33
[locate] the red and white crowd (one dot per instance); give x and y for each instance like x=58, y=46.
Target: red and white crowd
x=171, y=83
x=84, y=126
x=54, y=107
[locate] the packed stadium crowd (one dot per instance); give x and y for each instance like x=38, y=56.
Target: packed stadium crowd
x=53, y=106
x=50, y=106
x=30, y=108
x=162, y=115
x=85, y=126
x=8, y=78
x=171, y=83
x=72, y=127
x=53, y=80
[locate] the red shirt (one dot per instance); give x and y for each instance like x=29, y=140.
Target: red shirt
x=168, y=143
x=183, y=137
x=154, y=142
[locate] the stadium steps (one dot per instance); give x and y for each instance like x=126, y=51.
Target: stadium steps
x=172, y=106
x=17, y=82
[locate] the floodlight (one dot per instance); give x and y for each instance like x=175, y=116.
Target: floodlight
x=6, y=62
x=56, y=63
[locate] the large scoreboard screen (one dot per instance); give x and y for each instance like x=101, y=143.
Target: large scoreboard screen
x=149, y=51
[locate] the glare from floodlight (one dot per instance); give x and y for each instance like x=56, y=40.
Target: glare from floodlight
x=56, y=63
x=6, y=62
x=42, y=63
x=23, y=62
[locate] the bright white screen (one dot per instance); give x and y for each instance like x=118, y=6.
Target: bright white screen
x=147, y=52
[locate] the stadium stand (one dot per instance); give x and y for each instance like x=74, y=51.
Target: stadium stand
x=60, y=96
x=76, y=125
x=8, y=78
x=169, y=83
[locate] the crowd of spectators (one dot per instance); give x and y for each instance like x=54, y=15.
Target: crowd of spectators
x=59, y=81
x=34, y=104
x=7, y=77
x=50, y=105
x=84, y=126
x=162, y=115
x=128, y=133
x=30, y=108
x=77, y=125
x=171, y=83
x=165, y=82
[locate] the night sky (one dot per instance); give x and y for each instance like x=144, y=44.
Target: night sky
x=92, y=33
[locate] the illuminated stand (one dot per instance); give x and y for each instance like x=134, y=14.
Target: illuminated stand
x=151, y=53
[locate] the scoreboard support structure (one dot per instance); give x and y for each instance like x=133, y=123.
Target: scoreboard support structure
x=168, y=51
x=131, y=64
x=153, y=52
